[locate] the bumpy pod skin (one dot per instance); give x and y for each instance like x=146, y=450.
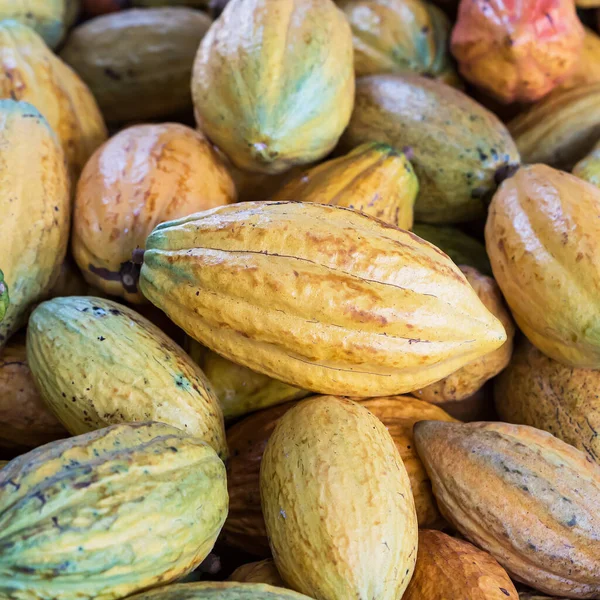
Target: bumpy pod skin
x=337, y=503
x=538, y=391
x=263, y=571
x=451, y=568
x=321, y=297
x=142, y=176
x=373, y=178
x=588, y=168
x=517, y=51
x=545, y=251
x=273, y=82
x=521, y=494
x=97, y=363
x=30, y=71
x=587, y=69
x=35, y=208
x=4, y=297
x=108, y=513
x=460, y=149
x=138, y=63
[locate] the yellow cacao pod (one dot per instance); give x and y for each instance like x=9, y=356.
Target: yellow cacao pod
x=587, y=69
x=588, y=168
x=335, y=494
x=521, y=494
x=373, y=178
x=142, y=176
x=264, y=571
x=249, y=281
x=544, y=251
x=297, y=92
x=35, y=208
x=138, y=63
x=137, y=372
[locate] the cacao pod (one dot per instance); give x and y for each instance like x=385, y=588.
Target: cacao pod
x=588, y=168
x=534, y=596
x=264, y=571
x=587, y=69
x=296, y=96
x=560, y=129
x=25, y=421
x=544, y=251
x=248, y=281
x=460, y=149
x=399, y=35
x=97, y=363
x=4, y=297
x=374, y=178
x=142, y=176
x=450, y=568
x=102, y=7
x=239, y=389
x=538, y=391
x=138, y=63
x=30, y=71
x=521, y=494
x=335, y=494
x=108, y=513
x=35, y=208
x=517, y=51
x=469, y=379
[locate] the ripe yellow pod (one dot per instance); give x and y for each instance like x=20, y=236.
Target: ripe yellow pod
x=142, y=176
x=337, y=503
x=263, y=571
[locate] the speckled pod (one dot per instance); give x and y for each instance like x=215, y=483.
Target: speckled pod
x=374, y=178
x=138, y=63
x=545, y=253
x=105, y=514
x=588, y=168
x=321, y=297
x=337, y=503
x=263, y=571
x=35, y=209
x=297, y=92
x=97, y=363
x=460, y=149
x=30, y=71
x=523, y=495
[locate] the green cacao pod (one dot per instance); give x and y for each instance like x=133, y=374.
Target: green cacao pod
x=108, y=513
x=4, y=297
x=588, y=168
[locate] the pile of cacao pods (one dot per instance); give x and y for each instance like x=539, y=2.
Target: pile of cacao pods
x=299, y=299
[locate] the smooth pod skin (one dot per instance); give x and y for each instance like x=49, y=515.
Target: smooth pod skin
x=538, y=391
x=97, y=363
x=588, y=168
x=472, y=377
x=140, y=177
x=321, y=297
x=108, y=513
x=517, y=51
x=138, y=63
x=451, y=568
x=35, y=208
x=544, y=251
x=521, y=494
x=337, y=503
x=561, y=129
x=25, y=420
x=263, y=571
x=30, y=71
x=273, y=82
x=373, y=178
x=587, y=69
x=460, y=149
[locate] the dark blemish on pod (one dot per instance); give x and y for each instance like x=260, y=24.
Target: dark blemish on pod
x=112, y=74
x=505, y=592
x=101, y=338
x=572, y=522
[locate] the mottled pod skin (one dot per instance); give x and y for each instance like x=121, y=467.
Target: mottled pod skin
x=138, y=63
x=450, y=568
x=97, y=363
x=588, y=168
x=35, y=208
x=374, y=178
x=460, y=149
x=4, y=296
x=263, y=571
x=521, y=494
x=25, y=420
x=517, y=51
x=538, y=391
x=108, y=513
x=140, y=177
x=273, y=82
x=337, y=503
x=30, y=71
x=545, y=254
x=321, y=297
x=587, y=69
